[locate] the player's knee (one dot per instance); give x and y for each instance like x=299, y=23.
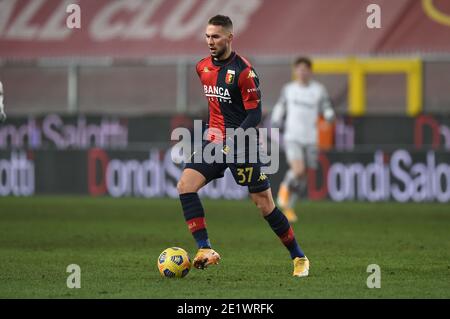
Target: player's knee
x=299, y=173
x=263, y=207
x=264, y=204
x=185, y=187
x=298, y=170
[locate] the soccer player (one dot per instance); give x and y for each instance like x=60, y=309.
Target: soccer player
x=231, y=87
x=2, y=107
x=297, y=111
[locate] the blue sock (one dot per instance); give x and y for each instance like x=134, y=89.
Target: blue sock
x=280, y=225
x=195, y=218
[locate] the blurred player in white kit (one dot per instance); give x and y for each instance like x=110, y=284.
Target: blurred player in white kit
x=297, y=111
x=2, y=107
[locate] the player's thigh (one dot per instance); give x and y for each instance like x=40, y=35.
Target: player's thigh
x=190, y=181
x=298, y=167
x=196, y=175
x=295, y=155
x=264, y=201
x=250, y=175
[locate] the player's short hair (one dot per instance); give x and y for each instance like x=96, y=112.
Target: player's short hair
x=221, y=20
x=303, y=60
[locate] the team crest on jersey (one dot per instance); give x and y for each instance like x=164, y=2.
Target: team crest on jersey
x=205, y=69
x=229, y=78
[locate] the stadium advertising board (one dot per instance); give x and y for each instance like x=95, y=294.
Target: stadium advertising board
x=146, y=174
x=17, y=175
x=64, y=132
x=69, y=132
x=120, y=132
x=143, y=28
x=398, y=175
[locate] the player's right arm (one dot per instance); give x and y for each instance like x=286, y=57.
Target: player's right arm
x=197, y=68
x=2, y=107
x=326, y=107
x=279, y=110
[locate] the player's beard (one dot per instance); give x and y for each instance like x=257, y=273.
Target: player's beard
x=219, y=54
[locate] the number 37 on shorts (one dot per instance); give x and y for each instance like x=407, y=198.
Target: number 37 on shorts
x=248, y=174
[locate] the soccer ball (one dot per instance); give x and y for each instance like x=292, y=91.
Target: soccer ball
x=174, y=262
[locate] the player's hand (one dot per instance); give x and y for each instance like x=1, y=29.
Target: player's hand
x=228, y=145
x=329, y=115
x=232, y=146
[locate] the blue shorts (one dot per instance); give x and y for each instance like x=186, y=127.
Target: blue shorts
x=245, y=174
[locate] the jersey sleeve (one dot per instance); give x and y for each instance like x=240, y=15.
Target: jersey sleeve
x=326, y=107
x=279, y=110
x=249, y=86
x=197, y=68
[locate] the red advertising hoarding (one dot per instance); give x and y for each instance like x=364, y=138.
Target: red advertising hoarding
x=139, y=28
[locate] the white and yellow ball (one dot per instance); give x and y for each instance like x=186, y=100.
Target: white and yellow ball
x=174, y=262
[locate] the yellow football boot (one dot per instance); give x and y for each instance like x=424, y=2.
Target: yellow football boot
x=283, y=196
x=205, y=257
x=290, y=215
x=301, y=267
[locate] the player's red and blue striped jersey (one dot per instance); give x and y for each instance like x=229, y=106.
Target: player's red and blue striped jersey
x=231, y=87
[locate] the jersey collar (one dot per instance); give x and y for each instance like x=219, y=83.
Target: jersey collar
x=224, y=62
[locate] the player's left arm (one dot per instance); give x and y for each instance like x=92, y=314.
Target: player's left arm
x=2, y=107
x=251, y=97
x=326, y=107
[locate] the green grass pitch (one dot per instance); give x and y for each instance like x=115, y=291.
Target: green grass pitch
x=116, y=243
